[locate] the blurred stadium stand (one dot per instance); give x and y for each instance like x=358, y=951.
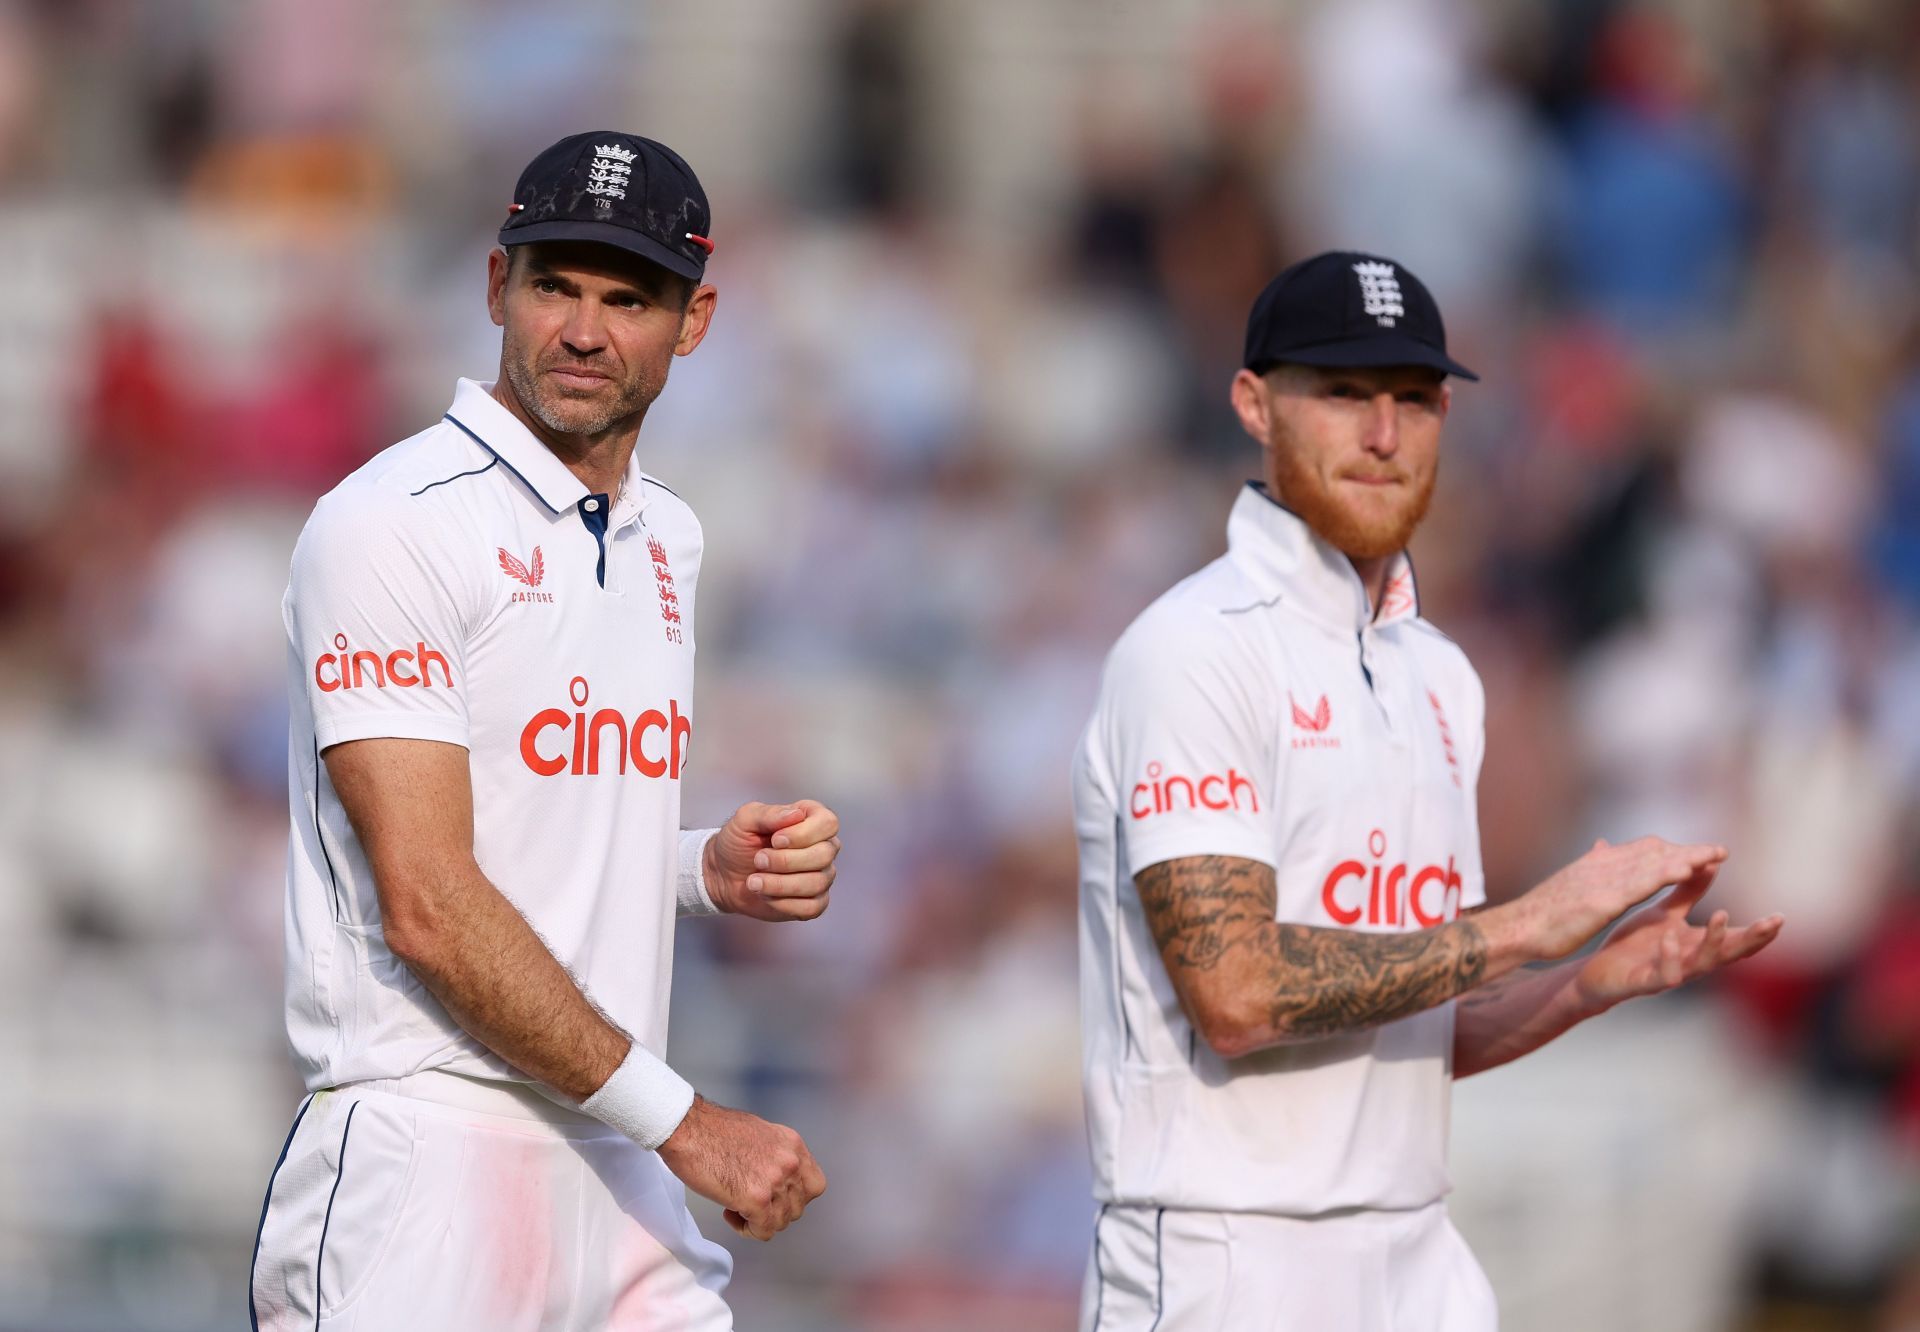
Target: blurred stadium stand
x=983, y=270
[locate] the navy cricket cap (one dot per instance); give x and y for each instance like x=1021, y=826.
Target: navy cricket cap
x=1348, y=309
x=615, y=189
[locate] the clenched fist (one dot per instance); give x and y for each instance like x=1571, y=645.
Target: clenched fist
x=774, y=862
x=761, y=1173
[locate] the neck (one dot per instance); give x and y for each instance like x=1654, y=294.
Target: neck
x=1373, y=577
x=599, y=459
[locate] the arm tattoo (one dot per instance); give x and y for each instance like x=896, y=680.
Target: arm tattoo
x=1203, y=908
x=1212, y=917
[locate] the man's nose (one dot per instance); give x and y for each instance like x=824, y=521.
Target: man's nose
x=1382, y=432
x=586, y=329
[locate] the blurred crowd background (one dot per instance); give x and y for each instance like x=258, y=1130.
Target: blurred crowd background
x=984, y=267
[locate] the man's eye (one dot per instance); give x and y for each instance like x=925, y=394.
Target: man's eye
x=1347, y=391
x=545, y=286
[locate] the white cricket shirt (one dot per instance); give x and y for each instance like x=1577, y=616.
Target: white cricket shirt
x=464, y=586
x=1260, y=710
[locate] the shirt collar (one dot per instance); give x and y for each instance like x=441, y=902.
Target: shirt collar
x=1285, y=559
x=497, y=430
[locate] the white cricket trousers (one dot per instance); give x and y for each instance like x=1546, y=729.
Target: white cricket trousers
x=1166, y=1270
x=437, y=1203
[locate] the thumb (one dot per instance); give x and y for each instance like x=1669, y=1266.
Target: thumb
x=1688, y=892
x=736, y=1220
x=758, y=818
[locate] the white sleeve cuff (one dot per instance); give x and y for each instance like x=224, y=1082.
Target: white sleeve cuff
x=644, y=1098
x=690, y=884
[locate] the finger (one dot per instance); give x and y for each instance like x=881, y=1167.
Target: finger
x=776, y=887
x=788, y=1203
x=1683, y=861
x=1744, y=943
x=818, y=824
x=1716, y=933
x=1691, y=887
x=792, y=1201
x=798, y=860
x=813, y=1178
x=794, y=908
x=799, y=908
x=768, y=819
x=737, y=1221
x=1703, y=945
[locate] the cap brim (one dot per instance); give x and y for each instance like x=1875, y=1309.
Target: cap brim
x=605, y=233
x=1373, y=354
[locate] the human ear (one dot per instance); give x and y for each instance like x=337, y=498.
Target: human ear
x=698, y=318
x=1253, y=404
x=498, y=265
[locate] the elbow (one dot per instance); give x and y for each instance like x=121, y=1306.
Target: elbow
x=412, y=942
x=1229, y=1042
x=1230, y=1030
x=413, y=929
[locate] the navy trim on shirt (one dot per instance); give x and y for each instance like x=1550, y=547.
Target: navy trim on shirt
x=455, y=477
x=320, y=836
x=596, y=522
x=502, y=461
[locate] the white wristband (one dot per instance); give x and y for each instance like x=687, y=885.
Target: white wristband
x=690, y=884
x=644, y=1098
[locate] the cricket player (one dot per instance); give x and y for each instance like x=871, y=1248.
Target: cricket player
x=1285, y=957
x=490, y=635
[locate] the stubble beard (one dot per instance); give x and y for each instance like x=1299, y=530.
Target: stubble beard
x=573, y=416
x=1355, y=534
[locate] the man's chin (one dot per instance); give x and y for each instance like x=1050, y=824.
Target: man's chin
x=572, y=413
x=1368, y=537
x=1371, y=547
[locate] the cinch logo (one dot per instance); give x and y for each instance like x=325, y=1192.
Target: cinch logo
x=607, y=738
x=1383, y=894
x=1314, y=723
x=402, y=668
x=1158, y=794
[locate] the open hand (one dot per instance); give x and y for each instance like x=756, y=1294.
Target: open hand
x=1561, y=914
x=1657, y=948
x=774, y=862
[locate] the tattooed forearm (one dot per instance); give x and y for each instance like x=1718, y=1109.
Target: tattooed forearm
x=1248, y=981
x=1203, y=907
x=1328, y=981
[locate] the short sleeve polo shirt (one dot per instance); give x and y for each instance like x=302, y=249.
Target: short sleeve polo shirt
x=465, y=587
x=1261, y=709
